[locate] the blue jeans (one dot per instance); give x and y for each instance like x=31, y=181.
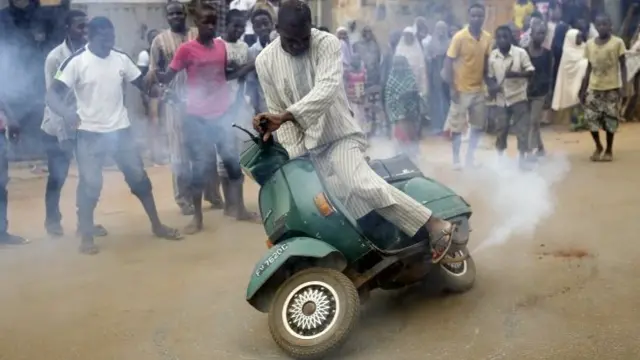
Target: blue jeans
x=202, y=138
x=59, y=157
x=4, y=180
x=92, y=150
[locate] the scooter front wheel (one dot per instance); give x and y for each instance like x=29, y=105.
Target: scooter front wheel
x=313, y=313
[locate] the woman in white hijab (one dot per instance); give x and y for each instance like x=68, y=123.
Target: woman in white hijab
x=410, y=48
x=573, y=67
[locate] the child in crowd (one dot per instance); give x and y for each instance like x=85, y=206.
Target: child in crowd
x=602, y=89
x=539, y=85
x=510, y=70
x=356, y=76
x=239, y=112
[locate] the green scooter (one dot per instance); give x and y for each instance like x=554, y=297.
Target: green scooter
x=321, y=262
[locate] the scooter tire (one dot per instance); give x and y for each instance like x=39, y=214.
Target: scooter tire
x=341, y=297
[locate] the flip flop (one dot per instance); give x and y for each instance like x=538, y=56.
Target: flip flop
x=441, y=245
x=606, y=158
x=596, y=156
x=167, y=233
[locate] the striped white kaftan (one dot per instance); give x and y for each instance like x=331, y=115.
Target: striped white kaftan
x=311, y=88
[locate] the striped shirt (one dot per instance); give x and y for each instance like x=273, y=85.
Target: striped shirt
x=310, y=87
x=163, y=48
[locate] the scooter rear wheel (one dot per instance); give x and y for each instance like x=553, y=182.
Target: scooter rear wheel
x=313, y=313
x=456, y=277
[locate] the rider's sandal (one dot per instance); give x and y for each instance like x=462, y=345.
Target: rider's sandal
x=442, y=244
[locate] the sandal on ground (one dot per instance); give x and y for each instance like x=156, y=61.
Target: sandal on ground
x=441, y=243
x=167, y=233
x=88, y=248
x=249, y=216
x=217, y=204
x=8, y=239
x=100, y=231
x=596, y=156
x=607, y=157
x=187, y=210
x=193, y=227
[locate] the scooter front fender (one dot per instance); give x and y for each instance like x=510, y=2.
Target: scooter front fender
x=261, y=289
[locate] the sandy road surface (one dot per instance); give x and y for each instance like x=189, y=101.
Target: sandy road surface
x=147, y=299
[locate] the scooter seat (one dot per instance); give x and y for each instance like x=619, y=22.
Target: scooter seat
x=397, y=168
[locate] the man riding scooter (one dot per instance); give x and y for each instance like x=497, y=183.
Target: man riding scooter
x=301, y=75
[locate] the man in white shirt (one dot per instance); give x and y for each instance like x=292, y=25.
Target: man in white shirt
x=511, y=68
x=311, y=113
x=96, y=74
x=58, y=138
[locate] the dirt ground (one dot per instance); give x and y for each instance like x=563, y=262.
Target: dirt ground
x=567, y=290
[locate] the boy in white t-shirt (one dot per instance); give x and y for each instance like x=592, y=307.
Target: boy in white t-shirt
x=96, y=74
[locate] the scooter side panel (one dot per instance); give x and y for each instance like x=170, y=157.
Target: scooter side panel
x=289, y=202
x=277, y=256
x=442, y=201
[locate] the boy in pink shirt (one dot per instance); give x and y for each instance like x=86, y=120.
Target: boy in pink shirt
x=208, y=102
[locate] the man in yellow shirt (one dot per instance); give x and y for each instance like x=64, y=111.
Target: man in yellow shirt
x=465, y=69
x=602, y=89
x=522, y=9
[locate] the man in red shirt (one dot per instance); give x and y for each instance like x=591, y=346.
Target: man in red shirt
x=208, y=102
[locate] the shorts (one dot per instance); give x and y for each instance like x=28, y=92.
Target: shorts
x=601, y=110
x=471, y=110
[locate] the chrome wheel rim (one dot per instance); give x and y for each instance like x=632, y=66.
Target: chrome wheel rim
x=310, y=310
x=455, y=269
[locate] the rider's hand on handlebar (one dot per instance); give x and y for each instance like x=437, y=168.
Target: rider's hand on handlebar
x=266, y=123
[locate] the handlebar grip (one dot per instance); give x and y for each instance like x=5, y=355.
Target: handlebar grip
x=264, y=125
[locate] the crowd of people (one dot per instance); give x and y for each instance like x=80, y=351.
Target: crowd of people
x=454, y=81
x=197, y=81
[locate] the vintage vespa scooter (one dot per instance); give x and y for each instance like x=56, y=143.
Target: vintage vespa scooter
x=321, y=261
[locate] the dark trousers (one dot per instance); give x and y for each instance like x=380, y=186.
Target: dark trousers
x=202, y=138
x=4, y=180
x=514, y=118
x=59, y=157
x=92, y=150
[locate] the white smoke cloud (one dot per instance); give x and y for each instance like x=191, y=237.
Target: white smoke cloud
x=519, y=201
